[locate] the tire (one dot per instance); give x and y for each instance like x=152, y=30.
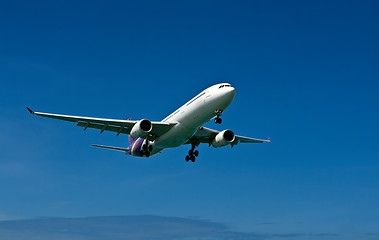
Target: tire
x=144, y=147
x=187, y=158
x=141, y=153
x=150, y=148
x=147, y=154
x=196, y=153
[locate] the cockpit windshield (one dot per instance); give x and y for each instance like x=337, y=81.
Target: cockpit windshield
x=225, y=85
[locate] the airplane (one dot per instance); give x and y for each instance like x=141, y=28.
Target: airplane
x=183, y=126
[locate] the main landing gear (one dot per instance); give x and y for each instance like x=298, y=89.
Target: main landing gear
x=146, y=149
x=218, y=113
x=192, y=154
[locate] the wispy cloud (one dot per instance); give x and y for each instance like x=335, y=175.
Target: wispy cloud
x=132, y=227
x=5, y=217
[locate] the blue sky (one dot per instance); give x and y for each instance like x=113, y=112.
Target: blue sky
x=305, y=72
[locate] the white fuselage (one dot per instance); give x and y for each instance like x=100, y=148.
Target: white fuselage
x=192, y=115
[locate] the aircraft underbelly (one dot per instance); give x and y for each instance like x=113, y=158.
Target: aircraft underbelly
x=176, y=137
x=184, y=130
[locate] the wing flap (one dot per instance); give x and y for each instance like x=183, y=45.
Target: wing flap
x=103, y=127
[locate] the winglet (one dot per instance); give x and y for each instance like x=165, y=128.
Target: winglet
x=30, y=110
x=269, y=139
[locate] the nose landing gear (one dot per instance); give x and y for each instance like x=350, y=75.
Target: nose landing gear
x=218, y=113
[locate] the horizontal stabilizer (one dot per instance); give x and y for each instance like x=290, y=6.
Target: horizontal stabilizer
x=112, y=148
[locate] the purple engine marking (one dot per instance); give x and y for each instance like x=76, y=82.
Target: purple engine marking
x=136, y=146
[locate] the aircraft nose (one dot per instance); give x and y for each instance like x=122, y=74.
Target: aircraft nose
x=232, y=89
x=230, y=92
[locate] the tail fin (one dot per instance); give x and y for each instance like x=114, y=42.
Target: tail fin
x=130, y=138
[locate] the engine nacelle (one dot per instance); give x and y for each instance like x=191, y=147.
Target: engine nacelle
x=223, y=138
x=141, y=129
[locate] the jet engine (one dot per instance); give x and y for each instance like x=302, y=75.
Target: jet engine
x=141, y=129
x=223, y=138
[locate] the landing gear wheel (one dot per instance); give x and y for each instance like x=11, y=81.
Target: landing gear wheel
x=218, y=120
x=150, y=148
x=192, y=153
x=196, y=153
x=141, y=153
x=144, y=147
x=147, y=154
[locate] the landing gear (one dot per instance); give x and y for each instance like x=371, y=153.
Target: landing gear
x=192, y=154
x=144, y=153
x=146, y=149
x=218, y=113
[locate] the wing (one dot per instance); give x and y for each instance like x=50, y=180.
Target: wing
x=207, y=135
x=113, y=125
